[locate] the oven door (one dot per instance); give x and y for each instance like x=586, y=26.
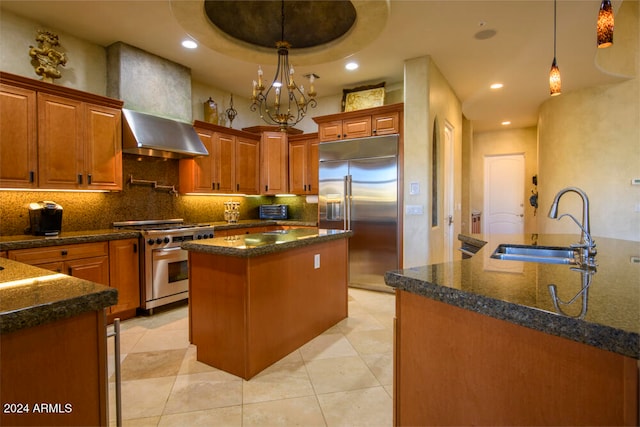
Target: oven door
x=170, y=272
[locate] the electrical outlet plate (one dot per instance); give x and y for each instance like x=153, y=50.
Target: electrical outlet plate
x=414, y=210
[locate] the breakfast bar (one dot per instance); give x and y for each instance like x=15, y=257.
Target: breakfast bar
x=254, y=298
x=487, y=341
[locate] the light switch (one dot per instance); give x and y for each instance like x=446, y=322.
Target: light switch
x=414, y=188
x=316, y=261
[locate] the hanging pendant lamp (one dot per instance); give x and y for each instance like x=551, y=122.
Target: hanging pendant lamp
x=605, y=24
x=555, y=83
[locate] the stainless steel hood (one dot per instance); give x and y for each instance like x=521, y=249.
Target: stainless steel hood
x=156, y=136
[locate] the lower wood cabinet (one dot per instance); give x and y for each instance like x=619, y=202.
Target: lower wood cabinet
x=124, y=275
x=114, y=263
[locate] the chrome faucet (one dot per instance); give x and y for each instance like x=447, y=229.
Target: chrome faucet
x=587, y=245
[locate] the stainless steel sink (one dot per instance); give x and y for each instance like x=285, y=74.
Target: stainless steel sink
x=543, y=254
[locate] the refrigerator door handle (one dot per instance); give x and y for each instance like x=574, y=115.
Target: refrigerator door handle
x=348, y=201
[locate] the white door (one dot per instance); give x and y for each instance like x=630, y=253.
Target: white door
x=448, y=226
x=504, y=194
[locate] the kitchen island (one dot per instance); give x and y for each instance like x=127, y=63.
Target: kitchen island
x=52, y=347
x=254, y=298
x=483, y=341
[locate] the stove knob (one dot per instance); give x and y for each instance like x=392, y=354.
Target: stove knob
x=158, y=240
x=151, y=241
x=199, y=236
x=211, y=235
x=166, y=240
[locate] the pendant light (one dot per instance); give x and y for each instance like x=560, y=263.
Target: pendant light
x=555, y=84
x=605, y=25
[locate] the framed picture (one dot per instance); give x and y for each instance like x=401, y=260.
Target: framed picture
x=363, y=97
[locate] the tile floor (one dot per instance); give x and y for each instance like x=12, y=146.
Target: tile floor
x=341, y=378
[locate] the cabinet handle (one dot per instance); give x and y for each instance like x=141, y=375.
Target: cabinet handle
x=309, y=187
x=338, y=135
x=79, y=178
x=64, y=253
x=266, y=188
x=89, y=179
x=70, y=273
x=32, y=176
x=237, y=187
x=218, y=186
x=374, y=131
x=213, y=185
x=135, y=248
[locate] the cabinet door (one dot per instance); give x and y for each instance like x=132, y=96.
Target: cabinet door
x=386, y=124
x=356, y=127
x=225, y=149
x=95, y=269
x=58, y=267
x=18, y=138
x=103, y=147
x=330, y=131
x=313, y=162
x=60, y=147
x=273, y=163
x=124, y=273
x=196, y=174
x=247, y=166
x=298, y=167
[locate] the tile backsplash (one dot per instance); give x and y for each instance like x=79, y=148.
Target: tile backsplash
x=95, y=211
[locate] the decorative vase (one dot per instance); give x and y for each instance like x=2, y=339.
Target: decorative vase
x=211, y=111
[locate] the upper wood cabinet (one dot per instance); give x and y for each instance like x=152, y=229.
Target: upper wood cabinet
x=18, y=137
x=303, y=164
x=232, y=165
x=55, y=137
x=383, y=120
x=274, y=155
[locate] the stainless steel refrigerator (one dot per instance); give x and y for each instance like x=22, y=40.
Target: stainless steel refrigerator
x=358, y=191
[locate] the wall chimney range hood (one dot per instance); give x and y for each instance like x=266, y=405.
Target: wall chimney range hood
x=148, y=135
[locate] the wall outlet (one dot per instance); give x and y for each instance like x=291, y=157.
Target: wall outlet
x=414, y=210
x=316, y=261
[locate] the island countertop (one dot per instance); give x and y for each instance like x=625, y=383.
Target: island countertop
x=606, y=315
x=251, y=245
x=31, y=296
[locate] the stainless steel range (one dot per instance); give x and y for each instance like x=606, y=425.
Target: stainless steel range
x=163, y=263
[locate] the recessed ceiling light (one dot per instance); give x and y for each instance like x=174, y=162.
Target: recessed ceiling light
x=189, y=44
x=351, y=66
x=497, y=86
x=506, y=123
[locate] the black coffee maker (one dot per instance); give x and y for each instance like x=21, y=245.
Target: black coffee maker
x=45, y=218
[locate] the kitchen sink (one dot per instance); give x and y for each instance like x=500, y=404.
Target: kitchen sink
x=542, y=254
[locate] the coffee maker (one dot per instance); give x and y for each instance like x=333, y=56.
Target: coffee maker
x=45, y=218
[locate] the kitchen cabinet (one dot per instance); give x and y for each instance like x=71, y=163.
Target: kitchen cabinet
x=124, y=275
x=303, y=164
x=62, y=138
x=89, y=261
x=18, y=139
x=274, y=163
x=231, y=167
x=376, y=121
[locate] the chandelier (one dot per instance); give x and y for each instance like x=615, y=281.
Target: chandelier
x=284, y=103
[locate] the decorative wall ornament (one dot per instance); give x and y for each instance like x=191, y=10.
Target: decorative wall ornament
x=45, y=59
x=231, y=112
x=363, y=97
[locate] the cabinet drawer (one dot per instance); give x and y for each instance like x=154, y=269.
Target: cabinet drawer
x=60, y=253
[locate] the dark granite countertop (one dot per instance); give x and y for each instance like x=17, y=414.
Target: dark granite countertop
x=26, y=241
x=606, y=315
x=257, y=244
x=31, y=296
x=248, y=223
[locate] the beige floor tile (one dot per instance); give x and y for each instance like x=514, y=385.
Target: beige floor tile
x=362, y=322
x=372, y=341
x=161, y=340
x=138, y=422
x=282, y=380
x=128, y=340
x=381, y=365
x=191, y=365
x=206, y=390
x=301, y=411
x=340, y=374
x=327, y=345
x=141, y=398
x=371, y=407
x=230, y=416
x=152, y=364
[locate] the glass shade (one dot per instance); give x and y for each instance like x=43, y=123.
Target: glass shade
x=605, y=24
x=555, y=84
